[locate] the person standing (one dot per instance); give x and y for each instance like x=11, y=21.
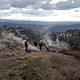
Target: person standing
x=35, y=43
x=26, y=45
x=40, y=45
x=47, y=46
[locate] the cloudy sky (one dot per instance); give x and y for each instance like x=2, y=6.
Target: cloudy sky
x=40, y=10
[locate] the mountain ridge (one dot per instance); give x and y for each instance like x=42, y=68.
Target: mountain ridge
x=53, y=26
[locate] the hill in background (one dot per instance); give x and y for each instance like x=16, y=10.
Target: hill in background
x=54, y=26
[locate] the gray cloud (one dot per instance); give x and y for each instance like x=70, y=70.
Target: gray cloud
x=36, y=4
x=4, y=4
x=20, y=3
x=31, y=12
x=47, y=6
x=69, y=4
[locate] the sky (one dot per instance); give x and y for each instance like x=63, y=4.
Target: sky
x=40, y=10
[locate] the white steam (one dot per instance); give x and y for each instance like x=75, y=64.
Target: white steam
x=11, y=38
x=57, y=38
x=47, y=38
x=56, y=43
x=33, y=48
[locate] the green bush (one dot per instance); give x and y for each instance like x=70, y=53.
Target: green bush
x=74, y=43
x=14, y=76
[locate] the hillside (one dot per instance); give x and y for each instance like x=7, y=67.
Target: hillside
x=62, y=27
x=39, y=66
x=58, y=63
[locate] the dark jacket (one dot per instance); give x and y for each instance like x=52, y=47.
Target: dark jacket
x=26, y=44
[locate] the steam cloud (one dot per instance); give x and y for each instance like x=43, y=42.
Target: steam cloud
x=56, y=43
x=11, y=38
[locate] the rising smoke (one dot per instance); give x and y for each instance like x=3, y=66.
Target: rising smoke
x=57, y=43
x=11, y=39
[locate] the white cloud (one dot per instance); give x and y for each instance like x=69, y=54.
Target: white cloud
x=41, y=15
x=44, y=10
x=56, y=1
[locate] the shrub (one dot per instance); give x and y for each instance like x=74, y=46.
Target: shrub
x=74, y=43
x=14, y=76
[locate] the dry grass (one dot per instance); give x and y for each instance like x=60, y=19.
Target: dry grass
x=45, y=66
x=67, y=66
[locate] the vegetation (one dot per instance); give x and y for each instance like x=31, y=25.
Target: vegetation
x=22, y=32
x=49, y=67
x=14, y=76
x=40, y=65
x=74, y=41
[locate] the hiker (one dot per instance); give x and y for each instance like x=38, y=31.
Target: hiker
x=47, y=46
x=40, y=45
x=35, y=43
x=26, y=45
